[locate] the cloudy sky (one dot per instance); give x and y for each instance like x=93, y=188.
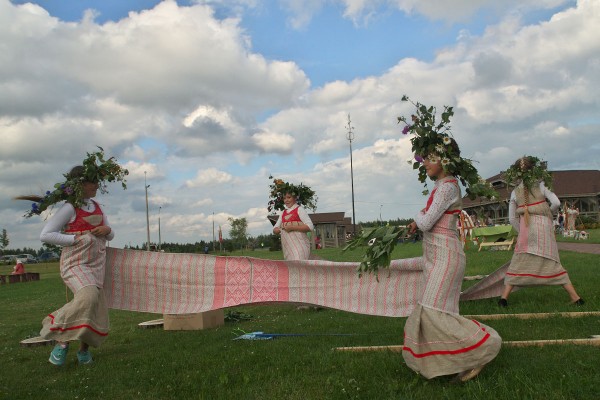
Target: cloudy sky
x=206, y=98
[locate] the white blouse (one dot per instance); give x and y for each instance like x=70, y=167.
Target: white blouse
x=445, y=195
x=53, y=231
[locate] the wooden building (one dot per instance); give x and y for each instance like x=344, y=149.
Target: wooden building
x=331, y=229
x=580, y=188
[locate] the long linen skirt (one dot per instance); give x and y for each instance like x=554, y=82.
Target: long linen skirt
x=438, y=343
x=536, y=260
x=84, y=318
x=533, y=270
x=437, y=340
x=295, y=245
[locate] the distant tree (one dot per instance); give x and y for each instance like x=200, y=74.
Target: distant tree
x=238, y=232
x=4, y=240
x=47, y=247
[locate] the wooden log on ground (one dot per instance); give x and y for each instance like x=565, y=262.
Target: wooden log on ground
x=574, y=314
x=541, y=343
x=593, y=341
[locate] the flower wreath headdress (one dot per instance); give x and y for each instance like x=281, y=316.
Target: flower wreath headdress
x=529, y=170
x=95, y=169
x=305, y=196
x=433, y=140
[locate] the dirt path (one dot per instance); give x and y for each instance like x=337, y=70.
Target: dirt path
x=590, y=248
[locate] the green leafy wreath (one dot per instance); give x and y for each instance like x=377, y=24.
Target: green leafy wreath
x=96, y=168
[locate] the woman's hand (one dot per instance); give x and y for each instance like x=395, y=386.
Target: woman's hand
x=412, y=227
x=101, y=230
x=276, y=230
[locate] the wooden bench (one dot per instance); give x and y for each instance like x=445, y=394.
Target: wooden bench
x=31, y=276
x=505, y=243
x=499, y=237
x=26, y=277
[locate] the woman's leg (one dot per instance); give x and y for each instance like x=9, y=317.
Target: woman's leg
x=503, y=302
x=571, y=291
x=506, y=292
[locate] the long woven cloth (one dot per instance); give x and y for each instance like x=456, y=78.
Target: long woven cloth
x=169, y=283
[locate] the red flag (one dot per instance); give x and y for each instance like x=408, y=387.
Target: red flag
x=220, y=235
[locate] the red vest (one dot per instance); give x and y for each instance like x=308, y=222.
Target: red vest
x=290, y=216
x=80, y=224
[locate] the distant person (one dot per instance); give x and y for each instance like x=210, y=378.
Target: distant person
x=488, y=220
x=19, y=269
x=205, y=249
x=82, y=228
x=477, y=221
x=535, y=261
x=293, y=225
x=561, y=222
x=572, y=214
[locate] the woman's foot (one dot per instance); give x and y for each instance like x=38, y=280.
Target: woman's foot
x=468, y=374
x=579, y=302
x=58, y=356
x=503, y=302
x=84, y=357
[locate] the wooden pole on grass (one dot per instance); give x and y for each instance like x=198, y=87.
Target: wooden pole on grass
x=534, y=315
x=593, y=341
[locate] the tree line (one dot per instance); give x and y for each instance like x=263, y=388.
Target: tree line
x=238, y=239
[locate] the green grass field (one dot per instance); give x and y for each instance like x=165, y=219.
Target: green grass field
x=209, y=364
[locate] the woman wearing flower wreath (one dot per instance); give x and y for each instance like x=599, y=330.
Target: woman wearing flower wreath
x=294, y=223
x=535, y=260
x=437, y=340
x=82, y=229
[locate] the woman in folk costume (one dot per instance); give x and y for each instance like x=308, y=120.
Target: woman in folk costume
x=294, y=223
x=437, y=340
x=572, y=214
x=535, y=260
x=81, y=227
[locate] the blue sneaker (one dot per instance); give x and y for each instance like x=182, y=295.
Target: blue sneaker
x=84, y=357
x=58, y=356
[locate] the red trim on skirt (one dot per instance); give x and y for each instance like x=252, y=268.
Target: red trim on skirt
x=447, y=352
x=537, y=276
x=83, y=326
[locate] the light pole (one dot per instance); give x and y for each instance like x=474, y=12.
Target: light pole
x=159, y=242
x=213, y=241
x=147, y=215
x=350, y=137
x=380, y=220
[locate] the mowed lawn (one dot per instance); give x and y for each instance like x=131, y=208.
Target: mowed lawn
x=209, y=364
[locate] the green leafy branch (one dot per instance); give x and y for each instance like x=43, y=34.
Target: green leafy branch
x=380, y=243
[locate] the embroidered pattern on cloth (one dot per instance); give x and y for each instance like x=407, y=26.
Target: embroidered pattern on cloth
x=167, y=283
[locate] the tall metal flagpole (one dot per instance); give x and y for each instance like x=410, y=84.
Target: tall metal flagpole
x=350, y=137
x=147, y=215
